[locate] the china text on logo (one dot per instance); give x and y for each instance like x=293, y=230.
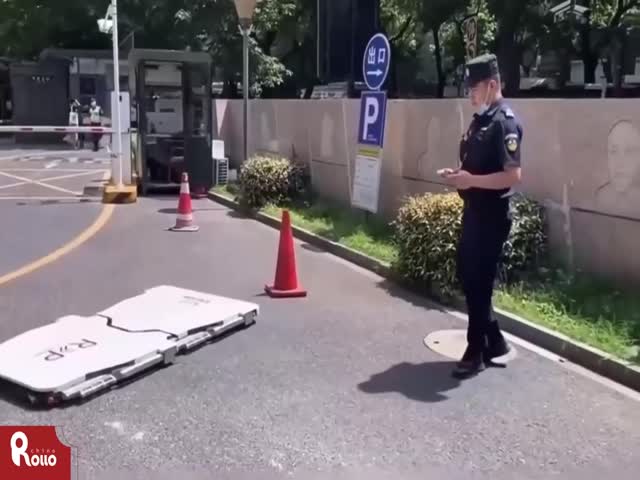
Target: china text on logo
x=20, y=452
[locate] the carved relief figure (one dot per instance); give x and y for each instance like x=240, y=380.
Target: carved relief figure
x=428, y=161
x=621, y=194
x=326, y=139
x=421, y=156
x=267, y=134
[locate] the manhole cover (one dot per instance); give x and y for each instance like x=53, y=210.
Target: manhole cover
x=452, y=344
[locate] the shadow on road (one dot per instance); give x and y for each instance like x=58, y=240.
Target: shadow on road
x=174, y=211
x=424, y=382
x=43, y=203
x=236, y=214
x=414, y=298
x=312, y=248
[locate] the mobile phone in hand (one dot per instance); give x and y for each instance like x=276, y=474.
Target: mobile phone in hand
x=443, y=172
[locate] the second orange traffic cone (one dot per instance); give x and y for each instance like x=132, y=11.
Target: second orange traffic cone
x=286, y=281
x=184, y=222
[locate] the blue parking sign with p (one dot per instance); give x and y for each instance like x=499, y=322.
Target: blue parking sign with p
x=373, y=107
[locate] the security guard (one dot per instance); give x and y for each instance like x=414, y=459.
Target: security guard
x=95, y=119
x=490, y=167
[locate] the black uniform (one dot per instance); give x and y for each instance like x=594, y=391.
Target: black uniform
x=490, y=145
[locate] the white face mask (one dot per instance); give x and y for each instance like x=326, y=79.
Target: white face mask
x=484, y=106
x=482, y=109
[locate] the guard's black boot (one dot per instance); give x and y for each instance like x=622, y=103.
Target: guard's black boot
x=470, y=365
x=497, y=347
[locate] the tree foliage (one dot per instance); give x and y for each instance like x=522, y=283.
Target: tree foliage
x=426, y=35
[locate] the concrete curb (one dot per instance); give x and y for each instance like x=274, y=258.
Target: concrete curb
x=588, y=357
x=96, y=187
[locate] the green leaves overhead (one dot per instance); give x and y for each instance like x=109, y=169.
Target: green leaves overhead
x=426, y=35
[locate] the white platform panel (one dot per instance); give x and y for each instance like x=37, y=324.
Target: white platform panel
x=64, y=353
x=178, y=311
x=76, y=356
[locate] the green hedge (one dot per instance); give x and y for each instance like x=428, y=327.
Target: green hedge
x=265, y=180
x=427, y=230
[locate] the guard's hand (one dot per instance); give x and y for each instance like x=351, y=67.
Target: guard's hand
x=462, y=180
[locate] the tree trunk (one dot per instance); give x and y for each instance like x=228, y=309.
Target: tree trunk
x=230, y=89
x=589, y=56
x=509, y=54
x=617, y=62
x=392, y=82
x=438, y=54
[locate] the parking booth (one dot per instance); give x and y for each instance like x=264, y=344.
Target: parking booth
x=171, y=108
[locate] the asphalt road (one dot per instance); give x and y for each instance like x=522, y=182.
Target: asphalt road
x=42, y=206
x=338, y=381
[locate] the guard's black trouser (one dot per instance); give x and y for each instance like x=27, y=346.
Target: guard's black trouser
x=484, y=232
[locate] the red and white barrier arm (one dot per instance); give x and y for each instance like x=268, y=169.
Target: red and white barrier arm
x=52, y=129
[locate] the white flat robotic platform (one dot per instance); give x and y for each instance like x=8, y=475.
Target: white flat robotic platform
x=77, y=356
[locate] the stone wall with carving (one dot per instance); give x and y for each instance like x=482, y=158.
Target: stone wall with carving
x=581, y=158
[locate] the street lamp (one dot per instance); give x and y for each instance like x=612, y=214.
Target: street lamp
x=109, y=24
x=245, y=10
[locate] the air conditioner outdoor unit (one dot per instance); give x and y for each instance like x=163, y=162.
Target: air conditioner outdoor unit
x=222, y=171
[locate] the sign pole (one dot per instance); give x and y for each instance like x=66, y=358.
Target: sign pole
x=373, y=110
x=116, y=88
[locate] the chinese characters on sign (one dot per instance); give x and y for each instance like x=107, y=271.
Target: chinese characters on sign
x=376, y=61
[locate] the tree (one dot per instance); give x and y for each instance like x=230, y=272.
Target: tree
x=435, y=14
x=611, y=18
x=212, y=25
x=29, y=26
x=401, y=25
x=453, y=31
x=407, y=22
x=520, y=25
x=601, y=33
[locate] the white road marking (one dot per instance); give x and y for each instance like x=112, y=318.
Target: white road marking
x=11, y=185
x=13, y=169
x=73, y=175
x=35, y=182
x=42, y=199
x=52, y=164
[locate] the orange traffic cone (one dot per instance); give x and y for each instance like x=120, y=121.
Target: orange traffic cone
x=286, y=281
x=184, y=222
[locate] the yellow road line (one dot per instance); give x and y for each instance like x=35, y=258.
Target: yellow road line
x=95, y=227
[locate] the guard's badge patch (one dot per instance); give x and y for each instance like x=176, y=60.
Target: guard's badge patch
x=511, y=141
